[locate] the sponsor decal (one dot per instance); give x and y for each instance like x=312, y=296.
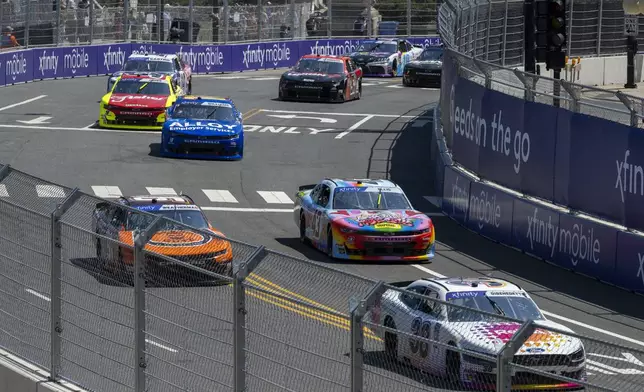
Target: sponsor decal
x=16, y=66
x=330, y=49
x=629, y=178
x=144, y=49
x=202, y=124
x=371, y=219
x=253, y=54
x=113, y=59
x=123, y=98
x=277, y=53
x=48, y=62
x=464, y=294
x=76, y=60
x=207, y=57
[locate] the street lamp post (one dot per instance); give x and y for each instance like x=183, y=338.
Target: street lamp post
x=632, y=9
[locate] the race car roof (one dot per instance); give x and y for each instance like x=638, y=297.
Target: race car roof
x=483, y=284
x=158, y=77
x=362, y=182
x=136, y=201
x=153, y=57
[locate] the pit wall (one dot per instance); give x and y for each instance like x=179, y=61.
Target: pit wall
x=540, y=164
x=77, y=61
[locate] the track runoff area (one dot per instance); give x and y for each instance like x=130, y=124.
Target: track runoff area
x=387, y=133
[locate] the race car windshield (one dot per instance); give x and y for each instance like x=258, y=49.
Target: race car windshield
x=431, y=55
x=387, y=47
x=319, y=66
x=516, y=307
x=125, y=86
x=203, y=112
x=148, y=66
x=191, y=218
x=352, y=199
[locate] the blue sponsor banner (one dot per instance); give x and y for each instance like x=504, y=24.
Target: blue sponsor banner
x=562, y=157
x=587, y=247
x=329, y=47
x=47, y=63
x=281, y=54
x=110, y=58
x=78, y=61
x=2, y=71
x=468, y=129
x=426, y=42
x=18, y=66
x=456, y=194
x=629, y=271
x=211, y=59
x=490, y=212
x=535, y=229
x=247, y=57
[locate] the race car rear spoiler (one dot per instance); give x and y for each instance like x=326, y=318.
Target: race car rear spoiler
x=306, y=187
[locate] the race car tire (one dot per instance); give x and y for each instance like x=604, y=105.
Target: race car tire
x=303, y=238
x=329, y=242
x=391, y=340
x=404, y=82
x=341, y=97
x=453, y=366
x=394, y=68
x=359, y=91
x=190, y=86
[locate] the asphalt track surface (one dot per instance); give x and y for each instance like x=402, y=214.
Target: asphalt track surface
x=365, y=138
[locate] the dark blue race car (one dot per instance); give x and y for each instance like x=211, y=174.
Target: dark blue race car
x=203, y=128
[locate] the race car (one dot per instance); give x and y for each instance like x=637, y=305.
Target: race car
x=363, y=219
x=485, y=334
x=385, y=57
x=203, y=128
x=156, y=65
x=138, y=102
x=322, y=78
x=113, y=223
x=426, y=70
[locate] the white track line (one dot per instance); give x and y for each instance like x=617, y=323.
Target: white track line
x=153, y=343
x=154, y=191
x=3, y=191
x=244, y=209
x=22, y=102
x=553, y=315
x=345, y=114
x=76, y=129
x=275, y=197
x=219, y=196
x=354, y=127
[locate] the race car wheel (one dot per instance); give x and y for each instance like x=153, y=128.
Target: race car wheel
x=303, y=238
x=404, y=81
x=190, y=86
x=329, y=242
x=391, y=340
x=394, y=68
x=359, y=91
x=453, y=366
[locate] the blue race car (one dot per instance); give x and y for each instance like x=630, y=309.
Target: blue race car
x=203, y=128
x=156, y=65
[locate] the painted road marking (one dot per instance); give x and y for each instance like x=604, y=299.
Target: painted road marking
x=50, y=191
x=227, y=77
x=553, y=315
x=46, y=298
x=275, y=197
x=3, y=191
x=354, y=127
x=37, y=120
x=161, y=191
x=219, y=196
x=395, y=86
x=599, y=370
x=323, y=120
x=346, y=114
x=106, y=192
x=266, y=78
x=22, y=102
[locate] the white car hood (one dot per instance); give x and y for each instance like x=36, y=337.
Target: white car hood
x=489, y=337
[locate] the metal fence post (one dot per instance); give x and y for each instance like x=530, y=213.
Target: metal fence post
x=485, y=71
x=329, y=24
x=259, y=20
x=160, y=22
x=358, y=311
x=408, y=18
x=292, y=22
x=91, y=22
x=27, y=22
x=625, y=100
x=191, y=19
x=226, y=21
x=487, y=29
x=505, y=33
x=574, y=95
x=570, y=18
x=369, y=19
x=529, y=92
x=140, y=240
x=599, y=27
x=240, y=273
x=55, y=283
x=58, y=4
x=476, y=29
x=503, y=368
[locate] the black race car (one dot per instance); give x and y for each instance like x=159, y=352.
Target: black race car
x=322, y=78
x=426, y=70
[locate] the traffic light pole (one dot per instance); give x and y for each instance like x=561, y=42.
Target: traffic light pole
x=529, y=62
x=631, y=47
x=556, y=87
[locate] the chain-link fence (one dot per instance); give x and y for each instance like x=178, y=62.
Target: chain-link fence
x=486, y=40
x=113, y=298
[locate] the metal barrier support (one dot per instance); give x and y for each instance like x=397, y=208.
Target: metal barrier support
x=358, y=311
x=56, y=286
x=4, y=171
x=140, y=363
x=240, y=273
x=504, y=372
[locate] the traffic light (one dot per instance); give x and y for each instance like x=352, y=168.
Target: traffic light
x=550, y=33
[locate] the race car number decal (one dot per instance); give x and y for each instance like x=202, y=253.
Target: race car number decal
x=422, y=330
x=316, y=223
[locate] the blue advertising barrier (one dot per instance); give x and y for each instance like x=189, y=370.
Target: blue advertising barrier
x=75, y=61
x=586, y=163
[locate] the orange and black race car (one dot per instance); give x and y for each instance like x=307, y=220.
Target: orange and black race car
x=322, y=78
x=115, y=227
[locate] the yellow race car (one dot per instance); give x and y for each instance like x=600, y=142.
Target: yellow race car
x=138, y=102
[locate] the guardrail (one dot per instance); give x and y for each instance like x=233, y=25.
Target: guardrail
x=98, y=306
x=78, y=61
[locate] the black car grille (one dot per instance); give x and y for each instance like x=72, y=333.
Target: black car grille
x=423, y=76
x=204, y=149
x=381, y=249
x=542, y=360
x=207, y=138
x=323, y=90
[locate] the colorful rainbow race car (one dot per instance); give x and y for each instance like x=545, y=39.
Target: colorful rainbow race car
x=363, y=220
